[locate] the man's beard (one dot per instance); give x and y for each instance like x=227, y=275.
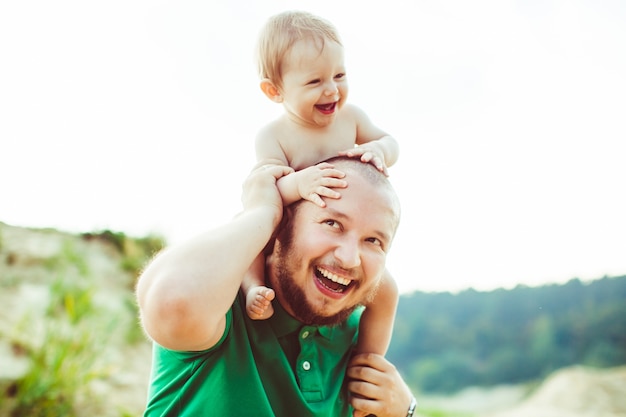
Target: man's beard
x=296, y=301
x=294, y=297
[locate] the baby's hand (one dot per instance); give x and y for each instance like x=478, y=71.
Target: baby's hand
x=318, y=181
x=369, y=153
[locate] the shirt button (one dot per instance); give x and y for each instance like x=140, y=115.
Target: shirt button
x=306, y=365
x=305, y=334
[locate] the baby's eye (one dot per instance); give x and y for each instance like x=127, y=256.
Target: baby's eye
x=313, y=82
x=340, y=76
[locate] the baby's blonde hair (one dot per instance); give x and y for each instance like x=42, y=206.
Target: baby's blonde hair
x=280, y=33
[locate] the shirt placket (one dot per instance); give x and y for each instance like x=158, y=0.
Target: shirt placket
x=308, y=367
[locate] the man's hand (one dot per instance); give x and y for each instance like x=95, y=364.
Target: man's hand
x=377, y=387
x=259, y=189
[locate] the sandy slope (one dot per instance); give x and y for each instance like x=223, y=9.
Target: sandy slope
x=576, y=392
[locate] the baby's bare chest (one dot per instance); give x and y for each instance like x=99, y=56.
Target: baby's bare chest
x=309, y=149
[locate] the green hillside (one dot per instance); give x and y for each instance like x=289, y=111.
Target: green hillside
x=443, y=342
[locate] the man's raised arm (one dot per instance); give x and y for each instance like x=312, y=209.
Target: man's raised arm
x=185, y=292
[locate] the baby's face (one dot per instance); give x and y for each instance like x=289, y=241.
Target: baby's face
x=314, y=85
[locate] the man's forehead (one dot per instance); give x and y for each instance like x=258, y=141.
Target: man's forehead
x=361, y=198
x=369, y=183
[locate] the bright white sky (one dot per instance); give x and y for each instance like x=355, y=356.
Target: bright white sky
x=140, y=116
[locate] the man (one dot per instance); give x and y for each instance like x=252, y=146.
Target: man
x=210, y=359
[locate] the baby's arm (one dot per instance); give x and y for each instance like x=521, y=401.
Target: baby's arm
x=377, y=320
x=375, y=146
x=310, y=183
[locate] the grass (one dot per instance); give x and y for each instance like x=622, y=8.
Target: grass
x=135, y=251
x=442, y=413
x=62, y=366
x=66, y=341
x=65, y=346
x=71, y=299
x=64, y=351
x=134, y=333
x=69, y=258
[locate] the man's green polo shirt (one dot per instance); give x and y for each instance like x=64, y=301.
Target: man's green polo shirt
x=275, y=367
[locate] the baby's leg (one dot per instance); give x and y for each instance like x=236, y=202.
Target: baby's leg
x=377, y=320
x=258, y=296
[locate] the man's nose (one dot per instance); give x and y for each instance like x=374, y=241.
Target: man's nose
x=348, y=253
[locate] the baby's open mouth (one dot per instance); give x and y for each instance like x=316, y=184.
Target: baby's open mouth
x=331, y=281
x=326, y=108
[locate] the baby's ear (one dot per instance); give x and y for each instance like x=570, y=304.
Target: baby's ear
x=271, y=91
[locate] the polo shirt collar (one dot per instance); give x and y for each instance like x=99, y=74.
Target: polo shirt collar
x=283, y=323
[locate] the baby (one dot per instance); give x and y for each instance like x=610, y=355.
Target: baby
x=301, y=64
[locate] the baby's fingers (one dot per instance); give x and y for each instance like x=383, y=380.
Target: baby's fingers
x=327, y=192
x=330, y=182
x=316, y=199
x=378, y=163
x=332, y=173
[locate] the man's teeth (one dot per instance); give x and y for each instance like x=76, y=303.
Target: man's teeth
x=333, y=277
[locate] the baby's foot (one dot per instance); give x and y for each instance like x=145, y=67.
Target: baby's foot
x=259, y=303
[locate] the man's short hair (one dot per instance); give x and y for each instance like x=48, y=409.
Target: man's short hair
x=366, y=170
x=281, y=32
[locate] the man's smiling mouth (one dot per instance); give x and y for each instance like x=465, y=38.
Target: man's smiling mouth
x=331, y=281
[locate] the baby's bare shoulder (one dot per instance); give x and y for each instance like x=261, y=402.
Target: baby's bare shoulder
x=350, y=110
x=270, y=130
x=269, y=142
x=272, y=134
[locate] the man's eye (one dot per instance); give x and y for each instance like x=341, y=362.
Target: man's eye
x=375, y=241
x=331, y=223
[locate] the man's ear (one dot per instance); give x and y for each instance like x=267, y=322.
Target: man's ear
x=271, y=91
